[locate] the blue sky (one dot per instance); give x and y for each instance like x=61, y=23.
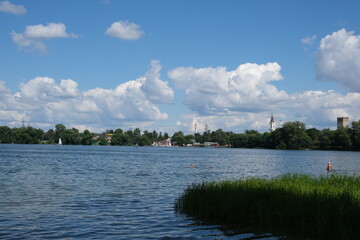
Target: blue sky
x=166, y=65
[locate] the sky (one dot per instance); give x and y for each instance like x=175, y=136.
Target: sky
x=171, y=65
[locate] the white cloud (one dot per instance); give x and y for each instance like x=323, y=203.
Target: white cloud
x=245, y=97
x=51, y=30
x=125, y=30
x=31, y=38
x=156, y=90
x=213, y=90
x=314, y=108
x=235, y=121
x=46, y=88
x=44, y=101
x=308, y=40
x=338, y=59
x=6, y=6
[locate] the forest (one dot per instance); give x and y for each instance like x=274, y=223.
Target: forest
x=292, y=135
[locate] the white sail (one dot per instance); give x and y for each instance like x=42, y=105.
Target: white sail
x=60, y=142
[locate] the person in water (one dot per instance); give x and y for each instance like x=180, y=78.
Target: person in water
x=329, y=167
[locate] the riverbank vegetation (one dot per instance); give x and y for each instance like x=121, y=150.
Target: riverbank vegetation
x=325, y=208
x=292, y=135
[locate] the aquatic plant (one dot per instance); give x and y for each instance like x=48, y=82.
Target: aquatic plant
x=323, y=207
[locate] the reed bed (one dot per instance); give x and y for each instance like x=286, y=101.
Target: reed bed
x=321, y=207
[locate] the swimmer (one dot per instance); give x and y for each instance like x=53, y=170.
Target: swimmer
x=329, y=167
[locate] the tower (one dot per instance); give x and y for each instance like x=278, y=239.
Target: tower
x=342, y=122
x=272, y=123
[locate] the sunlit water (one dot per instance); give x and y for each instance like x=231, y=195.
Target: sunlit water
x=99, y=192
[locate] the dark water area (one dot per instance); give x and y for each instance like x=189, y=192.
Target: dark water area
x=104, y=192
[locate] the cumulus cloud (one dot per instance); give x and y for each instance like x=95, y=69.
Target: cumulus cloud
x=45, y=88
x=33, y=36
x=43, y=100
x=338, y=59
x=6, y=6
x=213, y=90
x=125, y=30
x=156, y=90
x=245, y=98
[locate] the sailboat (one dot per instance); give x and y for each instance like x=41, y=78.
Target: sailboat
x=60, y=142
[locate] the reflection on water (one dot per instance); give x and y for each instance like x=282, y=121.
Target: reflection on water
x=49, y=191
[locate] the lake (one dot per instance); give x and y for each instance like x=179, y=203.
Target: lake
x=106, y=192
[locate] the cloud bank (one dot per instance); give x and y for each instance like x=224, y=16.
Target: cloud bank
x=45, y=102
x=216, y=90
x=8, y=7
x=245, y=98
x=125, y=30
x=33, y=36
x=236, y=100
x=338, y=59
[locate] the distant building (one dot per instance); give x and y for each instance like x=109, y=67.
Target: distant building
x=211, y=144
x=96, y=138
x=272, y=124
x=164, y=143
x=342, y=122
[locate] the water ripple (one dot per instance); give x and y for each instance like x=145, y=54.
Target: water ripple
x=89, y=192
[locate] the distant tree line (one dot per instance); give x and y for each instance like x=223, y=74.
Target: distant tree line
x=30, y=135
x=292, y=135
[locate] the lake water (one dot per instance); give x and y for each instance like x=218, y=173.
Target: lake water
x=104, y=192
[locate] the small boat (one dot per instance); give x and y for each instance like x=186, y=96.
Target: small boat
x=60, y=142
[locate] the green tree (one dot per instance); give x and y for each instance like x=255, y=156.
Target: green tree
x=207, y=136
x=102, y=141
x=342, y=139
x=137, y=132
x=130, y=136
x=71, y=137
x=254, y=139
x=178, y=138
x=22, y=136
x=144, y=140
x=326, y=139
x=49, y=136
x=295, y=136
x=119, y=131
x=274, y=140
x=160, y=137
x=120, y=139
x=238, y=140
x=198, y=138
x=86, y=137
x=314, y=134
x=60, y=130
x=6, y=135
x=221, y=137
x=189, y=139
x=355, y=135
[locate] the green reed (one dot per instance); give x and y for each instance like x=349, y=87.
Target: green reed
x=323, y=207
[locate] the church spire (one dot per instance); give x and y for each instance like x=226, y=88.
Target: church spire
x=272, y=123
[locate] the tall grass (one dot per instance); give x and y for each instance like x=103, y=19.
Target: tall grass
x=326, y=208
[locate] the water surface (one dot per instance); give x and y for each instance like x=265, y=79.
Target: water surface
x=104, y=192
